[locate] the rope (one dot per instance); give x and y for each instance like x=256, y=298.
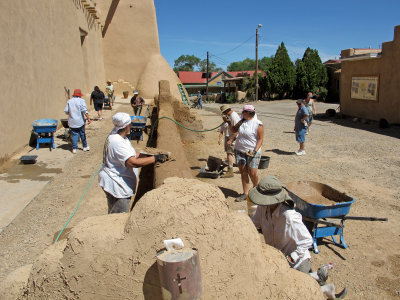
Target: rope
x=79, y=202
x=195, y=130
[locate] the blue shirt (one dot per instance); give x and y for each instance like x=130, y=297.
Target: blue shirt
x=298, y=125
x=76, y=108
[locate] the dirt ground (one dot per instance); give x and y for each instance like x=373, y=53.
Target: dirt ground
x=358, y=159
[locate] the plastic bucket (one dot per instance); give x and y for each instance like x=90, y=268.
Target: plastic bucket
x=264, y=162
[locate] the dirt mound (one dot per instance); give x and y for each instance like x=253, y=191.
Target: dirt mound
x=113, y=256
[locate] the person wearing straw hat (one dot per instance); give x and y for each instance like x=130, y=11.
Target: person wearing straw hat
x=249, y=133
x=77, y=111
x=119, y=174
x=231, y=118
x=110, y=93
x=284, y=229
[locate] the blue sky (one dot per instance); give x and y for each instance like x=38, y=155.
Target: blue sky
x=227, y=28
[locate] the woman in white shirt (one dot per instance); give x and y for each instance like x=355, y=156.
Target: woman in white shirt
x=118, y=176
x=249, y=133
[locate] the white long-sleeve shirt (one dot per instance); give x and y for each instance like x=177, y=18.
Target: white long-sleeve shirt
x=284, y=230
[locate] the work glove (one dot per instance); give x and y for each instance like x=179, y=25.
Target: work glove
x=251, y=153
x=161, y=158
x=227, y=119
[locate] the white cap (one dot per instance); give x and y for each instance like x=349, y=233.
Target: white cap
x=120, y=120
x=136, y=92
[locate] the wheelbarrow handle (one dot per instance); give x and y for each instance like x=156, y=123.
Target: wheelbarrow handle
x=361, y=218
x=318, y=221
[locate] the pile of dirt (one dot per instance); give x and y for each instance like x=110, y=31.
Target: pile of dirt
x=114, y=256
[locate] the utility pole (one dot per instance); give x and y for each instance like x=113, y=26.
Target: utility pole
x=256, y=74
x=207, y=78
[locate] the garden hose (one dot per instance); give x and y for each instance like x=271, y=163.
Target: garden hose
x=95, y=174
x=79, y=202
x=195, y=130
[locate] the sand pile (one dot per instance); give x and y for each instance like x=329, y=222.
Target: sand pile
x=113, y=256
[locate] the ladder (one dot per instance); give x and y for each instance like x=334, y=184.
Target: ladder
x=183, y=94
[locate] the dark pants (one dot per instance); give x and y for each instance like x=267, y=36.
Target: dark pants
x=76, y=132
x=137, y=110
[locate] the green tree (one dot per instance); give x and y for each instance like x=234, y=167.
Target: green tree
x=212, y=67
x=311, y=75
x=265, y=63
x=244, y=65
x=282, y=73
x=186, y=63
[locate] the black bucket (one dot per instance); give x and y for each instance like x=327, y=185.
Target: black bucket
x=264, y=162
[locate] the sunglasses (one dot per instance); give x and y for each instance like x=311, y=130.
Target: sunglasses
x=246, y=111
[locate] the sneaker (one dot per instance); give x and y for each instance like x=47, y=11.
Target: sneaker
x=74, y=151
x=86, y=148
x=322, y=274
x=342, y=294
x=300, y=152
x=100, y=119
x=242, y=197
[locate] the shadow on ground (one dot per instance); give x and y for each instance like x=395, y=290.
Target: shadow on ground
x=371, y=126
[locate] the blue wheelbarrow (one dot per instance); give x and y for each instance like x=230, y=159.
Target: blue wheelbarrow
x=325, y=209
x=138, y=124
x=44, y=129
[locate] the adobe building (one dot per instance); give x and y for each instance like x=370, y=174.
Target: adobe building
x=370, y=82
x=49, y=47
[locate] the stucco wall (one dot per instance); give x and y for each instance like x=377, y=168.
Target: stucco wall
x=387, y=68
x=41, y=53
x=132, y=50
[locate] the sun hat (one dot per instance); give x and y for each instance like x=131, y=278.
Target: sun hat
x=135, y=92
x=77, y=93
x=299, y=101
x=248, y=107
x=108, y=81
x=268, y=191
x=120, y=121
x=224, y=108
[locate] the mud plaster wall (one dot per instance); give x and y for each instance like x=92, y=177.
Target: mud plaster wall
x=168, y=137
x=387, y=68
x=132, y=50
x=41, y=53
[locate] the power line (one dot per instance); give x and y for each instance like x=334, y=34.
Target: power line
x=223, y=53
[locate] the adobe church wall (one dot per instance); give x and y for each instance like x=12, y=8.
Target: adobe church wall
x=41, y=53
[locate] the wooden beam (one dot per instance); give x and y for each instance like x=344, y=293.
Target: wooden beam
x=110, y=15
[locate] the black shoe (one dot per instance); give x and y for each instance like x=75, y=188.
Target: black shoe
x=342, y=294
x=242, y=197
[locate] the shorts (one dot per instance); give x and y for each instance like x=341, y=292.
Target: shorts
x=310, y=118
x=251, y=162
x=229, y=149
x=98, y=106
x=301, y=135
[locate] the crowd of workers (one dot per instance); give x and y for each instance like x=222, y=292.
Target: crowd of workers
x=275, y=216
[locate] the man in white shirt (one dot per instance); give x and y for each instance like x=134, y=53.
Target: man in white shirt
x=119, y=174
x=231, y=118
x=283, y=229
x=77, y=110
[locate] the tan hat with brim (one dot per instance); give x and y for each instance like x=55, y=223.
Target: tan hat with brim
x=269, y=191
x=224, y=108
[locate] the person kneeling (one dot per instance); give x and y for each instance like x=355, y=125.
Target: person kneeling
x=283, y=229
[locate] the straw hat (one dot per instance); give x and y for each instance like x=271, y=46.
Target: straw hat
x=224, y=108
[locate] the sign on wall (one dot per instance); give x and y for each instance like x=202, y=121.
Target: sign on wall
x=365, y=87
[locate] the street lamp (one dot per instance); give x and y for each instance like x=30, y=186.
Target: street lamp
x=259, y=26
